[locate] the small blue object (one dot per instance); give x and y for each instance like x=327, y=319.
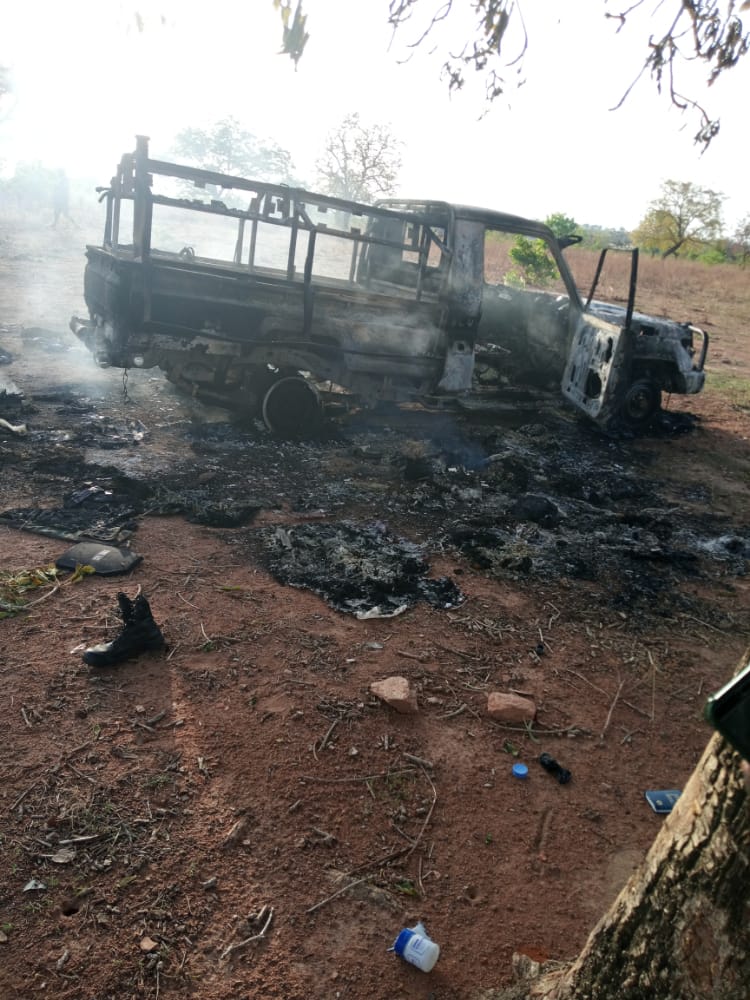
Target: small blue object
x=662, y=801
x=520, y=771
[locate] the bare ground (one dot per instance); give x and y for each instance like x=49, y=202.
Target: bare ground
x=159, y=806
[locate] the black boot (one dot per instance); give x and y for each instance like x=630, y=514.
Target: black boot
x=139, y=633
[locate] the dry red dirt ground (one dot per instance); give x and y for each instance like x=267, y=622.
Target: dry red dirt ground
x=156, y=814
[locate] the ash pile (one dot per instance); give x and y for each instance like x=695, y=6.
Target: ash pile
x=362, y=570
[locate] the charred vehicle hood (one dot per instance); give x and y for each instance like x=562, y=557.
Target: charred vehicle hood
x=640, y=323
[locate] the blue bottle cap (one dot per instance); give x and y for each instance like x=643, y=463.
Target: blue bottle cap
x=520, y=771
x=402, y=940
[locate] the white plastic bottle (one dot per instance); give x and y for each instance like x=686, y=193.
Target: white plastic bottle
x=415, y=946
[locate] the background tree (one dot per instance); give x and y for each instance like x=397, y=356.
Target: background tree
x=705, y=31
x=562, y=225
x=684, y=218
x=230, y=149
x=598, y=237
x=531, y=257
x=742, y=239
x=360, y=162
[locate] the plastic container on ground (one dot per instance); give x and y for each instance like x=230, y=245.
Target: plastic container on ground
x=415, y=946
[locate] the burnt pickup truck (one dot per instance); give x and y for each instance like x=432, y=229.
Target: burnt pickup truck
x=263, y=296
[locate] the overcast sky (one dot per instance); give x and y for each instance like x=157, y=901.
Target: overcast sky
x=86, y=81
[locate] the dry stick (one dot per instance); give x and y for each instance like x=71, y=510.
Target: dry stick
x=403, y=833
x=456, y=711
x=54, y=591
x=409, y=656
x=536, y=731
x=602, y=691
x=427, y=817
x=255, y=937
x=456, y=652
x=611, y=709
x=413, y=759
x=368, y=777
x=80, y=774
x=379, y=861
x=689, y=618
x=23, y=795
x=328, y=899
x=405, y=852
x=324, y=742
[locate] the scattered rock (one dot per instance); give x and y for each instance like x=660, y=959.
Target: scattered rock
x=398, y=693
x=148, y=944
x=510, y=707
x=237, y=833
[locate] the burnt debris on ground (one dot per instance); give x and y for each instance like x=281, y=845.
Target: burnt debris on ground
x=552, y=499
x=364, y=570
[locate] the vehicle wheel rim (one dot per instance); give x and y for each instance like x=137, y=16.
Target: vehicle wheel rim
x=641, y=402
x=291, y=406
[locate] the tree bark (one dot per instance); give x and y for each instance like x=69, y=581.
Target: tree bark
x=680, y=928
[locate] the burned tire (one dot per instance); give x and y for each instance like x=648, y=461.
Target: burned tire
x=292, y=408
x=641, y=402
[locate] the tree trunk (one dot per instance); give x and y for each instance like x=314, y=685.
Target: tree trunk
x=672, y=251
x=680, y=928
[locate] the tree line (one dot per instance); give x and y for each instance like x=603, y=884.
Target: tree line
x=361, y=162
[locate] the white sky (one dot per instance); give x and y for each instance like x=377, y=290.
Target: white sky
x=87, y=81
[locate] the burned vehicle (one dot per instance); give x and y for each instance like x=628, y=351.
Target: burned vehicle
x=264, y=296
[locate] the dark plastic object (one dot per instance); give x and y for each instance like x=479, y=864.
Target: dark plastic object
x=549, y=763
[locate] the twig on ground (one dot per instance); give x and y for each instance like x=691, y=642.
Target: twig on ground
x=367, y=777
x=456, y=711
x=325, y=837
x=413, y=759
x=238, y=945
x=602, y=691
x=80, y=773
x=456, y=652
x=324, y=742
x=403, y=833
x=629, y=734
x=54, y=591
x=409, y=656
x=611, y=709
x=23, y=795
x=533, y=730
x=341, y=892
x=427, y=818
x=689, y=618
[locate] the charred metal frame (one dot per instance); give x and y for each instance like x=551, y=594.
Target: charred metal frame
x=397, y=318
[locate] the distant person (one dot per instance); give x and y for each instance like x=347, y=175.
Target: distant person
x=60, y=199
